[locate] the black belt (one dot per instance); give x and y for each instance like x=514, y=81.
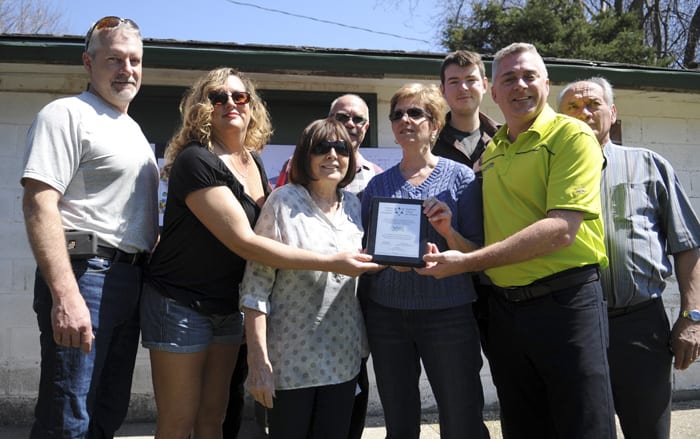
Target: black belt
x=117, y=256
x=546, y=285
x=208, y=307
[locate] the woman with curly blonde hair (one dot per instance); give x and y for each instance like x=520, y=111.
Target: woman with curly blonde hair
x=189, y=307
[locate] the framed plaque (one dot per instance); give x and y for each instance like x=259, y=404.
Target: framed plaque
x=397, y=232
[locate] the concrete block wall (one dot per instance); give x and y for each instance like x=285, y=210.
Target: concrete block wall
x=672, y=128
x=666, y=122
x=19, y=352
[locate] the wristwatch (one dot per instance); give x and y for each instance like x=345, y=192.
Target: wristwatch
x=693, y=315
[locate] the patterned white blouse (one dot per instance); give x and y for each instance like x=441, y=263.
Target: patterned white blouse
x=315, y=331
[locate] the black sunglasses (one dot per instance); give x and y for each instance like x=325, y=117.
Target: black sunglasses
x=221, y=97
x=107, y=23
x=323, y=148
x=414, y=113
x=345, y=117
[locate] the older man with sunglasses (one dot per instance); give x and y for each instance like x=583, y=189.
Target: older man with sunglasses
x=90, y=206
x=352, y=111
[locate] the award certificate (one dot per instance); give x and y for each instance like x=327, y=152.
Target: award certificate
x=397, y=232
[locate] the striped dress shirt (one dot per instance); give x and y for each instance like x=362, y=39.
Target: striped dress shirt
x=647, y=217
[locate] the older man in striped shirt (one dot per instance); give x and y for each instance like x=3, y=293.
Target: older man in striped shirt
x=648, y=218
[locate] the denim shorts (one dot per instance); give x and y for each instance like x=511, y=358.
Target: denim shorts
x=167, y=325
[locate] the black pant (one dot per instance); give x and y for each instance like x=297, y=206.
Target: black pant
x=359, y=408
x=236, y=398
x=481, y=310
x=313, y=412
x=640, y=370
x=549, y=361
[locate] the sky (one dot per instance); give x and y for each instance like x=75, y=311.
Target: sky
x=414, y=21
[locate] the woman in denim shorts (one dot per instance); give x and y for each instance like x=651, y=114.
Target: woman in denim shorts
x=189, y=309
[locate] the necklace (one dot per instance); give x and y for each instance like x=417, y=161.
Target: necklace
x=246, y=166
x=230, y=162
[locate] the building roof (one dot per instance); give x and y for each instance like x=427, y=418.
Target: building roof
x=197, y=55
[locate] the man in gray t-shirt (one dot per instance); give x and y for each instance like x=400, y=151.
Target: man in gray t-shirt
x=90, y=206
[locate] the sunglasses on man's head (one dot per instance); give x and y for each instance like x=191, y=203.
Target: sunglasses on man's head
x=413, y=113
x=221, y=97
x=345, y=117
x=107, y=23
x=323, y=148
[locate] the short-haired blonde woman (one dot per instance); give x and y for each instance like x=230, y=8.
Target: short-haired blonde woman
x=304, y=328
x=412, y=318
x=189, y=307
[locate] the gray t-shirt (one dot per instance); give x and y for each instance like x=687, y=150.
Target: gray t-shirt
x=101, y=162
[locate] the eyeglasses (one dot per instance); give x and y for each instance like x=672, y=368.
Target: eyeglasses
x=345, y=118
x=323, y=148
x=107, y=23
x=221, y=97
x=413, y=113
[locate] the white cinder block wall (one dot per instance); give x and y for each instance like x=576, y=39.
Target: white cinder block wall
x=665, y=122
x=19, y=352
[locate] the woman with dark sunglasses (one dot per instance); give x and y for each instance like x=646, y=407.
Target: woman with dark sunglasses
x=190, y=318
x=413, y=319
x=304, y=328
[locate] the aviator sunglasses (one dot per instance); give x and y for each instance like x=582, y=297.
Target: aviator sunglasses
x=107, y=23
x=414, y=113
x=324, y=148
x=345, y=117
x=221, y=97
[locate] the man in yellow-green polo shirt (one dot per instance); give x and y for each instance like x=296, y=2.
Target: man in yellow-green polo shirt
x=543, y=250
